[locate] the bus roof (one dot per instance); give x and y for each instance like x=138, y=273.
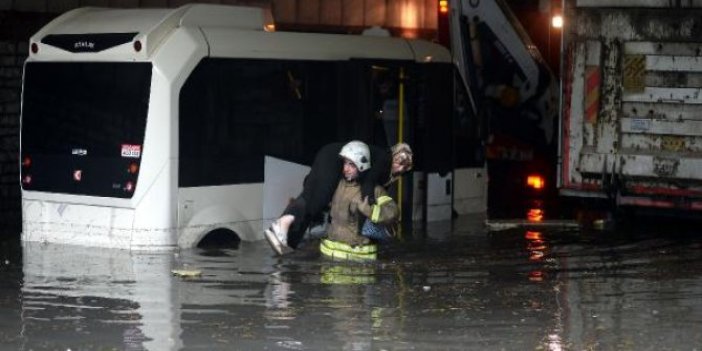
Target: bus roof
x=97, y=20
x=231, y=31
x=314, y=46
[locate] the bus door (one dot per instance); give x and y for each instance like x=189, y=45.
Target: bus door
x=372, y=112
x=413, y=103
x=390, y=120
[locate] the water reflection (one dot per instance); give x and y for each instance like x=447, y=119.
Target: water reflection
x=76, y=297
x=452, y=289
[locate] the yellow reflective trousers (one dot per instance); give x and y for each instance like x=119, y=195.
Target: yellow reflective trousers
x=339, y=250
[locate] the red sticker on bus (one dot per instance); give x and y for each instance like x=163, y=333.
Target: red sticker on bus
x=131, y=151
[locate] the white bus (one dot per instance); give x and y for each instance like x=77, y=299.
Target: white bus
x=150, y=128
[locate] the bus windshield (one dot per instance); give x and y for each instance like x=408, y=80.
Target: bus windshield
x=83, y=126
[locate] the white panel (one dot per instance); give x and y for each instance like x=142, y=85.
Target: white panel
x=439, y=190
x=74, y=224
x=470, y=190
x=673, y=63
x=673, y=79
x=649, y=126
x=593, y=53
x=236, y=207
x=288, y=45
x=644, y=165
x=661, y=48
x=592, y=162
x=672, y=95
x=282, y=183
x=238, y=17
x=575, y=130
x=648, y=143
x=661, y=111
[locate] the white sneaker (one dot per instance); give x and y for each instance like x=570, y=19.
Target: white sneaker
x=277, y=239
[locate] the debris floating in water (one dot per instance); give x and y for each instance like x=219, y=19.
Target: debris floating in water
x=186, y=272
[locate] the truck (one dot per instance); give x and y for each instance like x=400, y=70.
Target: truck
x=631, y=109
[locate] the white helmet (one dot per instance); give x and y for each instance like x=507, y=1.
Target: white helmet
x=358, y=153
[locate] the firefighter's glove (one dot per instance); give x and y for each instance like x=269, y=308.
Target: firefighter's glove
x=368, y=191
x=363, y=206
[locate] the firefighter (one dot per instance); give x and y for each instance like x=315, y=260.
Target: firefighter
x=286, y=232
x=344, y=239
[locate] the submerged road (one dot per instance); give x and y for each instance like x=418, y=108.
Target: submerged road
x=454, y=287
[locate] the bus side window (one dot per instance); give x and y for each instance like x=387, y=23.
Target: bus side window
x=233, y=113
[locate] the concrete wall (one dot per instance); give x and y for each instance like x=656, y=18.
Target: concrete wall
x=12, y=54
x=417, y=15
x=19, y=19
x=15, y=29
x=410, y=18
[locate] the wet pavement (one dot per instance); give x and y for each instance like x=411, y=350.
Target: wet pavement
x=453, y=287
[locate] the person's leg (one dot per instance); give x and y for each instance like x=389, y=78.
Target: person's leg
x=296, y=218
x=317, y=191
x=279, y=233
x=290, y=228
x=294, y=221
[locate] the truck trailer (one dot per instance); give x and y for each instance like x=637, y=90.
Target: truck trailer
x=631, y=108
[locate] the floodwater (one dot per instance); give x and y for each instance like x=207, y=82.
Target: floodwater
x=453, y=287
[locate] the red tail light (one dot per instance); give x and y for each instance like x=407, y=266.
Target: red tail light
x=133, y=168
x=443, y=6
x=536, y=181
x=26, y=162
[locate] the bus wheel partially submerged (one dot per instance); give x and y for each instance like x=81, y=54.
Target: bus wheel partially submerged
x=219, y=238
